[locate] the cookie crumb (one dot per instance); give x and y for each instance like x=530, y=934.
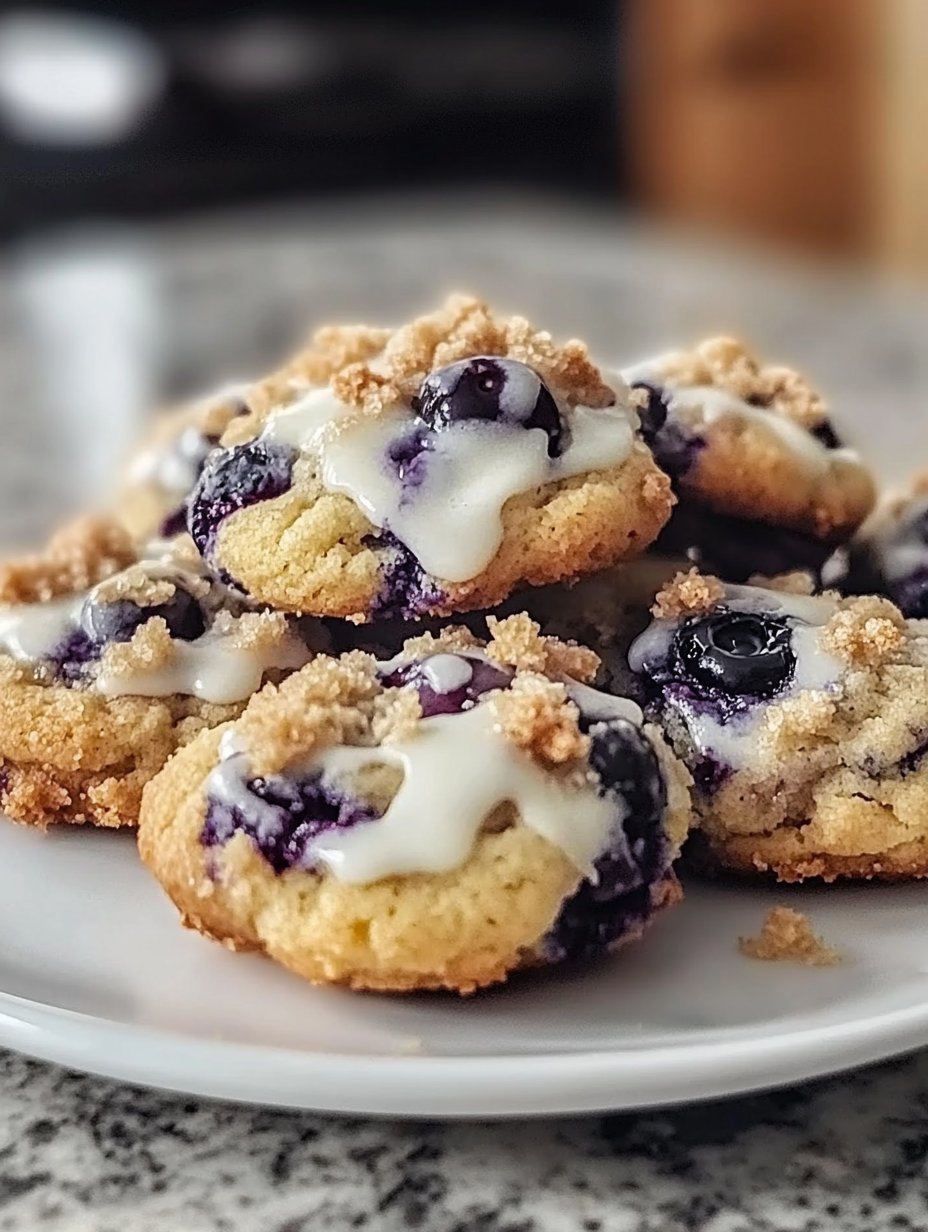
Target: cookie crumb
x=687, y=594
x=786, y=935
x=257, y=630
x=465, y=326
x=517, y=641
x=865, y=632
x=330, y=701
x=536, y=715
x=150, y=648
x=79, y=556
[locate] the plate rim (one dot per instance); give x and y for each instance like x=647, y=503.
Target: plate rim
x=451, y=1087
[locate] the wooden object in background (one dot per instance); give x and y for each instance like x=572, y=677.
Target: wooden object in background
x=772, y=118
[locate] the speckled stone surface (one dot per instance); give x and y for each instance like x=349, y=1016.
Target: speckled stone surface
x=80, y=1154
x=220, y=298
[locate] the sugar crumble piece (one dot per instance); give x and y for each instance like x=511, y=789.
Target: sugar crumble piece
x=463, y=327
x=537, y=716
x=330, y=701
x=687, y=594
x=571, y=659
x=137, y=585
x=866, y=632
x=150, y=648
x=256, y=630
x=79, y=556
x=786, y=935
x=396, y=716
x=331, y=349
x=517, y=642
x=451, y=639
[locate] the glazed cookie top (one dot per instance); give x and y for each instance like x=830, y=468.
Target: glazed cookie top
x=346, y=766
x=750, y=440
x=163, y=471
x=783, y=703
x=419, y=448
x=90, y=613
x=890, y=556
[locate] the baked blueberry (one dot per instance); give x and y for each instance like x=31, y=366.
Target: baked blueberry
x=449, y=683
x=738, y=652
x=490, y=388
x=233, y=479
x=620, y=899
x=285, y=816
x=117, y=621
x=674, y=448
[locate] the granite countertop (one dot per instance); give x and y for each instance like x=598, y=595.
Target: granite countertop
x=82, y=1154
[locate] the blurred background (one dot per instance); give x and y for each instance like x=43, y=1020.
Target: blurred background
x=187, y=186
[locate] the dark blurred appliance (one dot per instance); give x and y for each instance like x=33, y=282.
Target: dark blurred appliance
x=250, y=102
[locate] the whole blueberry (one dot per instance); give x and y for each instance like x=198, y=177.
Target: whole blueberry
x=493, y=389
x=737, y=652
x=117, y=621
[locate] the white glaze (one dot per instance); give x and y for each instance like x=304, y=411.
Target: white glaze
x=695, y=404
x=457, y=769
x=444, y=673
x=451, y=521
x=597, y=706
x=734, y=741
x=31, y=631
x=212, y=668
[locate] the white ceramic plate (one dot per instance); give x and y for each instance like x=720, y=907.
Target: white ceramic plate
x=96, y=973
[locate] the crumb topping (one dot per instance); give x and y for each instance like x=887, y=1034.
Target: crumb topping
x=518, y=642
x=253, y=630
x=536, y=715
x=331, y=348
x=463, y=327
x=450, y=640
x=344, y=701
x=79, y=556
x=787, y=935
x=686, y=595
x=727, y=364
x=330, y=701
x=150, y=648
x=865, y=632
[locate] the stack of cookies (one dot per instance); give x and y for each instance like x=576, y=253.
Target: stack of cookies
x=416, y=661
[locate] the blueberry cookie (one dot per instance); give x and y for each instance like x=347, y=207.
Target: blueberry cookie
x=110, y=662
x=152, y=500
x=469, y=457
x=804, y=721
x=890, y=556
x=765, y=485
x=434, y=821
